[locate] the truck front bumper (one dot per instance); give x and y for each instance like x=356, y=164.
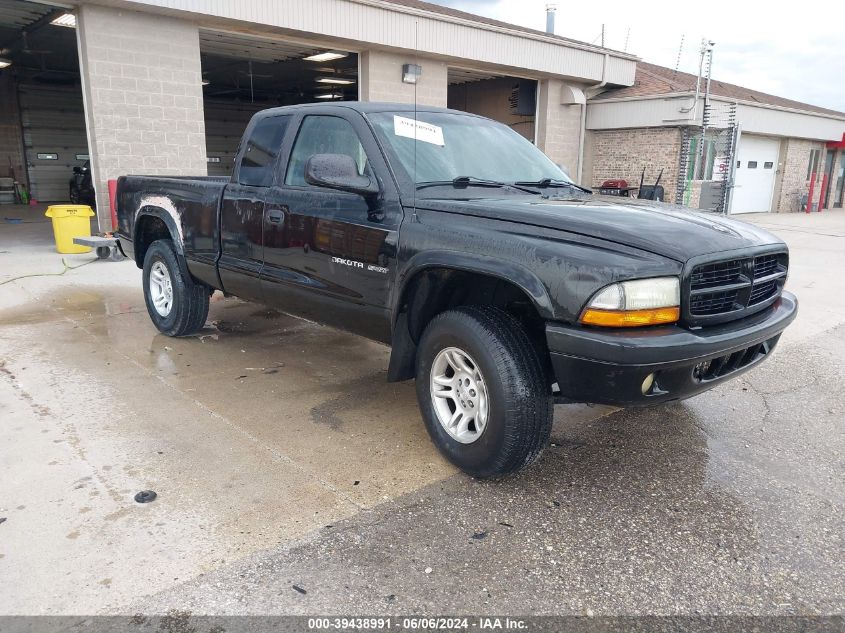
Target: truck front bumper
x=653, y=365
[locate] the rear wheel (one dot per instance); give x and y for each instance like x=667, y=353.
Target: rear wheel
x=482, y=391
x=176, y=304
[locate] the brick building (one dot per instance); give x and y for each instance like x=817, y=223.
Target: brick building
x=782, y=150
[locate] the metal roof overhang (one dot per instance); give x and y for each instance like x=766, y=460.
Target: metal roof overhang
x=358, y=25
x=837, y=144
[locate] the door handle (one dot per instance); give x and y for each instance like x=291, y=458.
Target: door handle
x=276, y=216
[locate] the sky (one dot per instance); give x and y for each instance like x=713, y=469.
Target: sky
x=796, y=54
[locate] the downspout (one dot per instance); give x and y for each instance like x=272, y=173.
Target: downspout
x=589, y=93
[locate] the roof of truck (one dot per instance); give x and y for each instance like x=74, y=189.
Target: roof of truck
x=361, y=106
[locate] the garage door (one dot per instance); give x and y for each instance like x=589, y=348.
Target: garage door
x=54, y=138
x=757, y=161
x=224, y=124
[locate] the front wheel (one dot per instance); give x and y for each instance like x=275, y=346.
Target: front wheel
x=176, y=304
x=482, y=391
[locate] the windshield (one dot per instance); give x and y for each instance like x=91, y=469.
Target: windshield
x=451, y=145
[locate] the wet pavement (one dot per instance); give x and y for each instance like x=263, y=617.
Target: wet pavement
x=281, y=457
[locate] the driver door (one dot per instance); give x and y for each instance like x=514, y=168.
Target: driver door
x=327, y=250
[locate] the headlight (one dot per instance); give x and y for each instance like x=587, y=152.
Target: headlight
x=634, y=303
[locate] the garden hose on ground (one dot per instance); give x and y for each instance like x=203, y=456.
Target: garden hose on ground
x=64, y=263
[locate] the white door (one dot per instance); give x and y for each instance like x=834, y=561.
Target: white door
x=757, y=163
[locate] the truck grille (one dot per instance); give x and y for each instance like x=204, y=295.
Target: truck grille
x=717, y=274
x=762, y=291
x=730, y=289
x=765, y=265
x=714, y=302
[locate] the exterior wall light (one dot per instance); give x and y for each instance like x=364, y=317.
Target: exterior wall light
x=411, y=73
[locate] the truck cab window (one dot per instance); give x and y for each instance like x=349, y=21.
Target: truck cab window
x=324, y=135
x=261, y=151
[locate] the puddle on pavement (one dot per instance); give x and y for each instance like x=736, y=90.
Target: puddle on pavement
x=312, y=396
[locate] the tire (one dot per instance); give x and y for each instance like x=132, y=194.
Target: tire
x=502, y=365
x=187, y=308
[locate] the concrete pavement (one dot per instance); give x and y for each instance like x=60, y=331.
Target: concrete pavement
x=281, y=457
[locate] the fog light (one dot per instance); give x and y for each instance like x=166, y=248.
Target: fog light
x=648, y=383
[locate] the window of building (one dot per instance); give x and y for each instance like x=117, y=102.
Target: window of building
x=752, y=164
x=263, y=146
x=815, y=156
x=324, y=135
x=768, y=164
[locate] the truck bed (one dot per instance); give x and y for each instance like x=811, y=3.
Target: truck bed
x=185, y=204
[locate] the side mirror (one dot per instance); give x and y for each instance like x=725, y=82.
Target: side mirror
x=338, y=171
x=77, y=170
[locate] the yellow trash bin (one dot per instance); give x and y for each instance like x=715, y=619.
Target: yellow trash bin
x=70, y=221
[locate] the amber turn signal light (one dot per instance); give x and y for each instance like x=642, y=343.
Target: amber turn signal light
x=630, y=318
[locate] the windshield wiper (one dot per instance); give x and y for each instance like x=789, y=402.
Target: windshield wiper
x=461, y=182
x=549, y=182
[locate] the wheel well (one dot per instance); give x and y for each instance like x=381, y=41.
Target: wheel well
x=148, y=229
x=435, y=290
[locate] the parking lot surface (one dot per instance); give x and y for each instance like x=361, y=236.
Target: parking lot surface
x=291, y=478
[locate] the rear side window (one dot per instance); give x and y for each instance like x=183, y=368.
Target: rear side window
x=263, y=146
x=324, y=135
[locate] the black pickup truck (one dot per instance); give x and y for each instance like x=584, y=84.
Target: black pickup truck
x=501, y=286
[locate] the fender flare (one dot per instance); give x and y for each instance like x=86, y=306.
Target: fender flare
x=172, y=228
x=505, y=270
x=403, y=348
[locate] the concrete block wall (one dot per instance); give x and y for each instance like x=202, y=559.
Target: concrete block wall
x=792, y=180
x=558, y=126
x=381, y=79
x=624, y=154
x=141, y=79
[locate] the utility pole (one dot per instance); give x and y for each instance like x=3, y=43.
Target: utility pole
x=707, y=56
x=706, y=52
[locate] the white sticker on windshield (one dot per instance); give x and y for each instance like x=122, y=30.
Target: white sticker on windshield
x=425, y=132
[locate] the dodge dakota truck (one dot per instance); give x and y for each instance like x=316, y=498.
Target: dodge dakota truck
x=501, y=286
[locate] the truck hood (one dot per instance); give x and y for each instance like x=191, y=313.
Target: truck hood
x=668, y=230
